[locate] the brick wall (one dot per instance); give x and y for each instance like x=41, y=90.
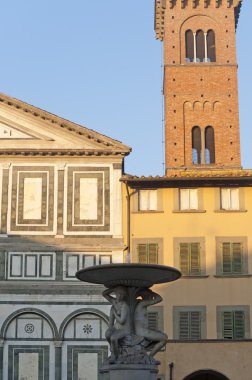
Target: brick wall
x=200, y=94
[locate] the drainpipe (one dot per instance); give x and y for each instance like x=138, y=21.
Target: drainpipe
x=171, y=366
x=128, y=257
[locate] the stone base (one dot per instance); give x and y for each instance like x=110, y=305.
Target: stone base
x=128, y=372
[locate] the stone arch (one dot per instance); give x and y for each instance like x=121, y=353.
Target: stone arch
x=78, y=312
x=28, y=310
x=206, y=375
x=206, y=27
x=199, y=22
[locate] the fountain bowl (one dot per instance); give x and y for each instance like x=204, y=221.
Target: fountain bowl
x=129, y=275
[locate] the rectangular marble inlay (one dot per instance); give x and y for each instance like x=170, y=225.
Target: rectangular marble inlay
x=28, y=367
x=87, y=366
x=88, y=198
x=32, y=198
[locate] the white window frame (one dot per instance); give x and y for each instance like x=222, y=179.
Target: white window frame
x=232, y=201
x=150, y=203
x=188, y=199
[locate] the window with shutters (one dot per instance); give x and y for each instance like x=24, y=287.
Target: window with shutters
x=147, y=253
x=189, y=258
x=232, y=258
x=230, y=199
x=153, y=320
x=189, y=322
x=189, y=325
x=147, y=200
x=188, y=199
x=233, y=322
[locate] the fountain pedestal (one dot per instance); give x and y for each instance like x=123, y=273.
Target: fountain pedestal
x=128, y=372
x=132, y=344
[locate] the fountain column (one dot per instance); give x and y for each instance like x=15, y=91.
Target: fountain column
x=133, y=345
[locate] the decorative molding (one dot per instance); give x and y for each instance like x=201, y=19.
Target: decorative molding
x=108, y=146
x=160, y=9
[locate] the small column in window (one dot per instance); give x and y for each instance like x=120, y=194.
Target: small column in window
x=195, y=48
x=206, y=50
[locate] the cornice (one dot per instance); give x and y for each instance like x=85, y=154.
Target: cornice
x=161, y=5
x=188, y=178
x=60, y=152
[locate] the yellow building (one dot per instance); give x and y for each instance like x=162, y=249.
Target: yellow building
x=198, y=216
x=201, y=224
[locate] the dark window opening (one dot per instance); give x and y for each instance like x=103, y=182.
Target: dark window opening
x=196, y=145
x=211, y=46
x=209, y=146
x=189, y=46
x=200, y=46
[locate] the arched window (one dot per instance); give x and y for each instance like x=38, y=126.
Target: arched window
x=200, y=46
x=209, y=145
x=196, y=145
x=211, y=52
x=189, y=39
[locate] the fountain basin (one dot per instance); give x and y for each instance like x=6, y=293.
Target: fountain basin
x=129, y=275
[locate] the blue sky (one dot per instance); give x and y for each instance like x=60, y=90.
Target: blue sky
x=97, y=63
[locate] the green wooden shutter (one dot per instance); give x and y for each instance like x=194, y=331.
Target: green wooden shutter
x=226, y=258
x=184, y=258
x=142, y=253
x=190, y=325
x=195, y=259
x=153, y=253
x=195, y=325
x=239, y=324
x=227, y=325
x=184, y=322
x=153, y=320
x=237, y=257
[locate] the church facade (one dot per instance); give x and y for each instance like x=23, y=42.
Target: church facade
x=53, y=326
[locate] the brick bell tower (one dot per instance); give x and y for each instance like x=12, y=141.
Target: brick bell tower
x=200, y=83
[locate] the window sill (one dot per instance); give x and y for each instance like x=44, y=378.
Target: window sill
x=228, y=211
x=233, y=275
x=189, y=211
x=148, y=212
x=200, y=276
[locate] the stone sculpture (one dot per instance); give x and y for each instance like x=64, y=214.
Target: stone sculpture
x=133, y=344
x=128, y=334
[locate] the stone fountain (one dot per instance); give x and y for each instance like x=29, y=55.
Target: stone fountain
x=132, y=344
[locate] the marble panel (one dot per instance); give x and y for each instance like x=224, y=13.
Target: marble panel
x=32, y=206
x=88, y=198
x=28, y=366
x=87, y=366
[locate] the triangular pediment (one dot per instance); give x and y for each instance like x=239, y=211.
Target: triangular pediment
x=8, y=132
x=27, y=128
